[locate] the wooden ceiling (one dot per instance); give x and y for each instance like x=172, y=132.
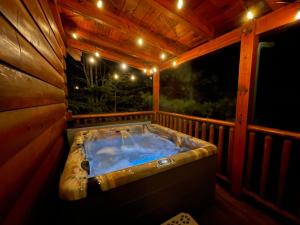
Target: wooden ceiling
x=114, y=29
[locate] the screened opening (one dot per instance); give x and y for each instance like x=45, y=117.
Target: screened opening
x=277, y=102
x=103, y=86
x=204, y=87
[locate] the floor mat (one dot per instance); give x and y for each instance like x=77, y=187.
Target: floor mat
x=181, y=219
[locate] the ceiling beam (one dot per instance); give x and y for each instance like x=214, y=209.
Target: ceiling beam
x=273, y=4
x=184, y=15
x=277, y=19
x=210, y=46
x=109, y=55
x=110, y=44
x=123, y=25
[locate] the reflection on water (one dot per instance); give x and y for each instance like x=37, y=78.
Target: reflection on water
x=125, y=150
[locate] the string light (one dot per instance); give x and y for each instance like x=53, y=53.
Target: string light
x=163, y=56
x=92, y=60
x=297, y=17
x=97, y=54
x=132, y=77
x=145, y=70
x=140, y=41
x=174, y=63
x=154, y=69
x=179, y=4
x=75, y=36
x=150, y=71
x=124, y=66
x=100, y=4
x=116, y=76
x=250, y=15
x=76, y=87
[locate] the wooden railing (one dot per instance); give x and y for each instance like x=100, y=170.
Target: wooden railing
x=263, y=145
x=218, y=132
x=261, y=141
x=95, y=119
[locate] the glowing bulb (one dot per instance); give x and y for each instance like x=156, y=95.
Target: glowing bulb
x=174, y=63
x=124, y=66
x=150, y=71
x=163, y=56
x=76, y=87
x=154, y=69
x=97, y=54
x=99, y=4
x=75, y=36
x=179, y=4
x=145, y=70
x=297, y=17
x=140, y=41
x=132, y=77
x=250, y=15
x=92, y=60
x=116, y=76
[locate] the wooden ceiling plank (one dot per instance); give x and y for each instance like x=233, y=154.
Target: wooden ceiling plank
x=213, y=45
x=123, y=25
x=279, y=18
x=106, y=54
x=111, y=44
x=185, y=16
x=273, y=4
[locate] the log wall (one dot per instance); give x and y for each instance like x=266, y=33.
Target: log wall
x=32, y=104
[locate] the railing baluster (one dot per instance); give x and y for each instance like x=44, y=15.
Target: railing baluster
x=203, y=131
x=179, y=124
x=284, y=166
x=211, y=133
x=250, y=157
x=220, y=148
x=185, y=126
x=197, y=129
x=175, y=123
x=191, y=127
x=167, y=120
x=230, y=148
x=265, y=164
x=164, y=120
x=171, y=122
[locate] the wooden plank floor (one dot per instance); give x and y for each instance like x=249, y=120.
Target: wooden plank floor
x=229, y=211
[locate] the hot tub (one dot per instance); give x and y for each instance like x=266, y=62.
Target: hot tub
x=136, y=171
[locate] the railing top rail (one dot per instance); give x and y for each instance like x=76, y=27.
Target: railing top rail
x=201, y=119
x=87, y=116
x=278, y=132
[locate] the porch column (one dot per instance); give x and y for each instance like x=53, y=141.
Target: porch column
x=247, y=68
x=156, y=91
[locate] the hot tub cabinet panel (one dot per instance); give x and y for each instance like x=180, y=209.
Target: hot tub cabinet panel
x=149, y=192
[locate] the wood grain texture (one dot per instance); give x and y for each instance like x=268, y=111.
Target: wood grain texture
x=13, y=10
x=19, y=90
x=247, y=68
x=31, y=191
x=18, y=171
x=40, y=18
x=19, y=127
x=47, y=11
x=16, y=51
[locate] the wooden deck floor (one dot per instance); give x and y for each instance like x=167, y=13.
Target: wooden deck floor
x=226, y=210
x=229, y=211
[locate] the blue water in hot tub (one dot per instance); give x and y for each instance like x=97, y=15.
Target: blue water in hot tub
x=122, y=151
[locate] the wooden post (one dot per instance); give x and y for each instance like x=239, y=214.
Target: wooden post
x=156, y=92
x=247, y=67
